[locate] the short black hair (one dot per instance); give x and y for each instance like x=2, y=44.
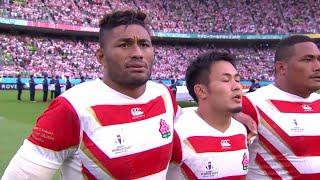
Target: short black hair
x=285, y=49
x=118, y=18
x=199, y=69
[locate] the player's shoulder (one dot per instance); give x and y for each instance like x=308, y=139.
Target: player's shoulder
x=315, y=97
x=153, y=84
x=263, y=92
x=187, y=117
x=156, y=89
x=237, y=124
x=85, y=87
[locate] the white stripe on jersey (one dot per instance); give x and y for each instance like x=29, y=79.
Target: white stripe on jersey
x=132, y=137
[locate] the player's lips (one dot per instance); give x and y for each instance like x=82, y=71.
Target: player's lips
x=136, y=66
x=315, y=77
x=237, y=98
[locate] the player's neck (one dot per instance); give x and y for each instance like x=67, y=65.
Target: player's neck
x=284, y=86
x=131, y=92
x=218, y=120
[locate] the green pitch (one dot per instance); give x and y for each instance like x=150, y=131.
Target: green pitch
x=17, y=119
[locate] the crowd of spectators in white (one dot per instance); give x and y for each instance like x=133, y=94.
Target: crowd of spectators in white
x=75, y=58
x=56, y=56
x=188, y=16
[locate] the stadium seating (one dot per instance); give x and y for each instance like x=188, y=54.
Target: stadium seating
x=48, y=56
x=210, y=16
x=51, y=56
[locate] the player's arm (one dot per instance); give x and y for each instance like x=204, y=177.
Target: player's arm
x=54, y=138
x=174, y=170
x=21, y=168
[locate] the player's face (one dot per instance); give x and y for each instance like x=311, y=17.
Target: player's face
x=303, y=69
x=224, y=89
x=127, y=56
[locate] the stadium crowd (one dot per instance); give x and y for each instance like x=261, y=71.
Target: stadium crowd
x=217, y=16
x=51, y=56
x=57, y=56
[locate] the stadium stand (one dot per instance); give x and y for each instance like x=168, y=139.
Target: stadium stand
x=44, y=55
x=52, y=56
x=243, y=16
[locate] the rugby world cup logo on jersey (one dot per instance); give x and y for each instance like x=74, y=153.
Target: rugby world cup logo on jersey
x=296, y=127
x=119, y=140
x=120, y=145
x=137, y=112
x=210, y=170
x=209, y=166
x=164, y=129
x=225, y=143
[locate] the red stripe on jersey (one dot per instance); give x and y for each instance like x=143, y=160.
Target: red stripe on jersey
x=273, y=174
x=202, y=144
x=120, y=114
x=266, y=167
x=248, y=108
x=58, y=127
x=132, y=166
x=299, y=145
x=286, y=164
x=188, y=172
x=177, y=149
x=241, y=177
x=315, y=176
x=297, y=107
x=86, y=173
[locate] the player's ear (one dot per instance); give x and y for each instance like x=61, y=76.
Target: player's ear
x=280, y=67
x=100, y=56
x=200, y=90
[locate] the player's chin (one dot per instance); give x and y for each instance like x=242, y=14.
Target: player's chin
x=315, y=87
x=236, y=109
x=138, y=80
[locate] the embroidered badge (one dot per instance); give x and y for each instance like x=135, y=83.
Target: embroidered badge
x=164, y=129
x=245, y=162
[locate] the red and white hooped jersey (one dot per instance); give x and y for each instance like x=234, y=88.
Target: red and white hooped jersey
x=288, y=142
x=94, y=132
x=202, y=152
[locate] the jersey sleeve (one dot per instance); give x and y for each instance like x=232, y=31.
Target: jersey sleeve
x=56, y=135
x=58, y=128
x=22, y=168
x=249, y=109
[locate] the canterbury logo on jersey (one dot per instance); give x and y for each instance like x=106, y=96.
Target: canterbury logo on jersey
x=225, y=143
x=306, y=107
x=136, y=111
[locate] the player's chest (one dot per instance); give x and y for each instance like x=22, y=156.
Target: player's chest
x=216, y=157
